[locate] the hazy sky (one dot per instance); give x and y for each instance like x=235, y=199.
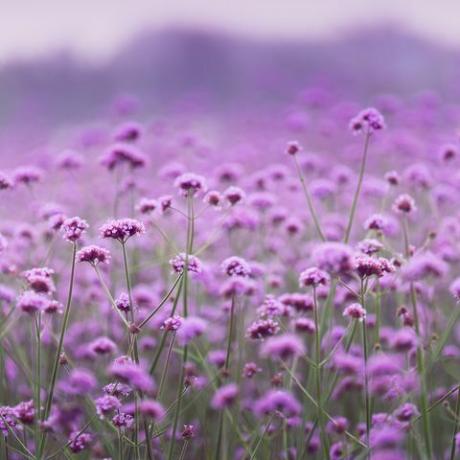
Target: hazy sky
x=94, y=29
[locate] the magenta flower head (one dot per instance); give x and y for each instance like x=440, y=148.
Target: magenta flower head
x=333, y=258
x=122, y=229
x=122, y=302
x=179, y=262
x=454, y=288
x=236, y=266
x=282, y=347
x=172, y=323
x=224, y=396
x=93, y=254
x=79, y=441
x=404, y=204
x=27, y=175
x=152, y=410
x=40, y=280
x=147, y=205
x=73, y=228
x=293, y=148
x=279, y=401
x=213, y=198
x=355, y=311
x=190, y=184
x=368, y=120
x=103, y=346
x=132, y=374
x=5, y=182
x=69, y=160
x=123, y=153
x=31, y=302
x=262, y=328
x=106, y=404
x=313, y=277
x=192, y=327
x=129, y=131
x=25, y=412
x=234, y=195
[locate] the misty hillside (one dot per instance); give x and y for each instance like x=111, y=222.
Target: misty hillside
x=169, y=69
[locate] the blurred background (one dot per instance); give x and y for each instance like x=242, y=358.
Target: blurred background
x=65, y=62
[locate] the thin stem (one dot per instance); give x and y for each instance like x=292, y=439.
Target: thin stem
x=324, y=441
x=454, y=431
x=358, y=187
x=420, y=355
x=188, y=250
x=367, y=404
x=57, y=357
x=183, y=450
x=311, y=207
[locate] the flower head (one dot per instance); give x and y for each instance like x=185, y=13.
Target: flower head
x=368, y=120
x=93, y=254
x=73, y=228
x=122, y=229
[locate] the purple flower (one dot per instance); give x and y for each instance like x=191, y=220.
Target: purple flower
x=31, y=302
x=368, y=121
x=262, y=329
x=234, y=195
x=147, y=205
x=132, y=374
x=193, y=263
x=129, y=131
x=122, y=229
x=93, y=254
x=293, y=148
x=79, y=441
x=27, y=175
x=103, y=346
x=404, y=204
x=106, y=404
x=313, y=277
x=25, y=412
x=224, y=396
x=123, y=153
x=122, y=302
x=172, y=323
x=192, y=327
x=73, y=228
x=333, y=258
x=79, y=382
x=5, y=182
x=277, y=401
x=190, y=183
x=236, y=266
x=250, y=369
x=151, y=409
x=282, y=347
x=355, y=311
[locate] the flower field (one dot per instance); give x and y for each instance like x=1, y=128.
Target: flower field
x=279, y=286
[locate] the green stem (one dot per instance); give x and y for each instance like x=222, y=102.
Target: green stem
x=324, y=440
x=54, y=371
x=454, y=431
x=188, y=250
x=367, y=404
x=311, y=207
x=358, y=188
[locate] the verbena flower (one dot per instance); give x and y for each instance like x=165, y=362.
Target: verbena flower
x=368, y=120
x=224, y=396
x=94, y=255
x=122, y=229
x=282, y=347
x=73, y=228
